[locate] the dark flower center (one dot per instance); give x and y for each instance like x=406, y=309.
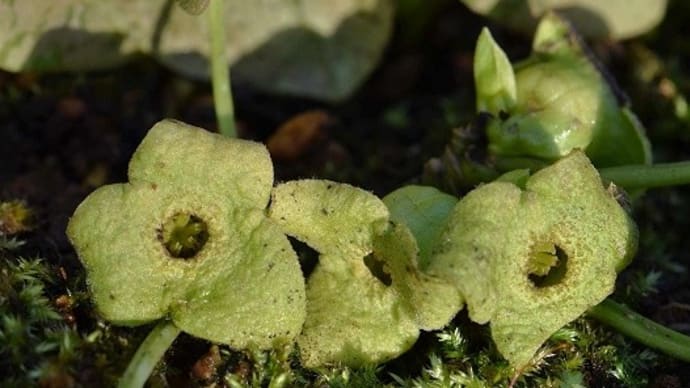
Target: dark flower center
x=547, y=266
x=183, y=235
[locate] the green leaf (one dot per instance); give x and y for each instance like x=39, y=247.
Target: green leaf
x=424, y=210
x=302, y=47
x=493, y=76
x=240, y=285
x=366, y=299
x=496, y=246
x=181, y=155
x=617, y=19
x=627, y=132
x=318, y=49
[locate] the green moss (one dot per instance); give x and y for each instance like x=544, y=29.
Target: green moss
x=35, y=344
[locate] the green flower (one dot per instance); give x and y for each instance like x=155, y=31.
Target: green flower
x=531, y=258
x=555, y=101
x=187, y=238
x=367, y=298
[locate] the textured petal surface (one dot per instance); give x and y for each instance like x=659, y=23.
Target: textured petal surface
x=475, y=235
x=431, y=302
x=248, y=290
x=329, y=216
x=116, y=232
x=180, y=155
x=497, y=229
x=366, y=299
x=243, y=286
x=352, y=318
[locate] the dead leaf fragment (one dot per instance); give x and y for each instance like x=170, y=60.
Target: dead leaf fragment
x=299, y=134
x=204, y=369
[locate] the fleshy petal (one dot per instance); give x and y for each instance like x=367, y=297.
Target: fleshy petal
x=362, y=307
x=431, y=302
x=189, y=238
x=178, y=155
x=466, y=254
x=329, y=216
x=249, y=291
x=496, y=232
x=116, y=231
x=352, y=317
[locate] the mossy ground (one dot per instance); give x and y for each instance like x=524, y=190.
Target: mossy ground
x=63, y=135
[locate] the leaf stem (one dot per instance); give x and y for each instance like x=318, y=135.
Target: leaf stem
x=149, y=353
x=220, y=71
x=648, y=176
x=645, y=331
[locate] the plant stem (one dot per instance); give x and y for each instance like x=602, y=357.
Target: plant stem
x=220, y=71
x=149, y=353
x=632, y=176
x=648, y=176
x=644, y=330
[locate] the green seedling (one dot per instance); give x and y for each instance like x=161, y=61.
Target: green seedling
x=555, y=101
x=529, y=259
x=367, y=299
x=186, y=242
